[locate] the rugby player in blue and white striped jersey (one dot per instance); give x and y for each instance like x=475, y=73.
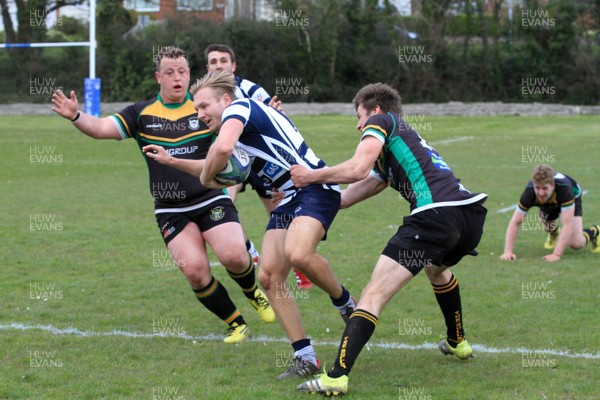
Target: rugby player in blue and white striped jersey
x=301, y=219
x=220, y=57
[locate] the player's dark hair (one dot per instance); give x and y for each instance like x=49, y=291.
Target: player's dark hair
x=171, y=52
x=542, y=175
x=223, y=48
x=221, y=81
x=378, y=94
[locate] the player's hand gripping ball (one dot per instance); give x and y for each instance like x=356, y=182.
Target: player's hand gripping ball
x=237, y=168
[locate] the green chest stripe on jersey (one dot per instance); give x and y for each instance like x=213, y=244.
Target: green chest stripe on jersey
x=414, y=172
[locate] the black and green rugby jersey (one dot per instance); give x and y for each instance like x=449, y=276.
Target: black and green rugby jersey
x=566, y=190
x=175, y=127
x=412, y=167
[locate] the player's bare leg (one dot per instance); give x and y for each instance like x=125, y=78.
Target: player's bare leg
x=189, y=253
x=301, y=241
x=577, y=240
x=301, y=280
x=387, y=279
x=303, y=236
x=226, y=240
x=273, y=276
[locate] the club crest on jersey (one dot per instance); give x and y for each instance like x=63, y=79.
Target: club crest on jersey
x=217, y=213
x=194, y=124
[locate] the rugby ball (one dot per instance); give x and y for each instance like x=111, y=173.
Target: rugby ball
x=237, y=168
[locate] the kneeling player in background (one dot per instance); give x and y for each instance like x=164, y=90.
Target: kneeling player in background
x=555, y=194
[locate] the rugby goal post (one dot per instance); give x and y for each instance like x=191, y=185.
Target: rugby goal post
x=92, y=85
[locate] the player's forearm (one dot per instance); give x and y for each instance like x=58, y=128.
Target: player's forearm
x=215, y=160
x=360, y=191
x=563, y=239
x=192, y=167
x=511, y=237
x=94, y=127
x=347, y=172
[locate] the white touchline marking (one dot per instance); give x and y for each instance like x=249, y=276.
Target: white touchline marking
x=506, y=209
x=510, y=208
x=269, y=339
x=453, y=140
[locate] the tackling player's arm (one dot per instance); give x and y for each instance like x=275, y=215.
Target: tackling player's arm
x=97, y=128
x=220, y=151
x=566, y=217
x=353, y=170
x=361, y=190
x=511, y=235
x=159, y=154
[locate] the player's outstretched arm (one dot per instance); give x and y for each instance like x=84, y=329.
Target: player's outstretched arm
x=159, y=154
x=511, y=235
x=350, y=171
x=68, y=108
x=361, y=190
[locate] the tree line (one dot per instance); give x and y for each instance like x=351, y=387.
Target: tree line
x=324, y=51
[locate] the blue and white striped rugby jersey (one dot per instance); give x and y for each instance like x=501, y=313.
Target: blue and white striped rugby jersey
x=273, y=140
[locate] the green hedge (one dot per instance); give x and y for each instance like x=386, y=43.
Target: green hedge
x=337, y=48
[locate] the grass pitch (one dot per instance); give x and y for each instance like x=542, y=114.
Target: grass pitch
x=93, y=308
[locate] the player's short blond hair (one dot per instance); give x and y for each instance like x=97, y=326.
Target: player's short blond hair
x=221, y=81
x=543, y=175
